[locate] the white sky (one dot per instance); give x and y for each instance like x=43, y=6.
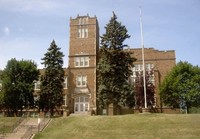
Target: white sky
x=27, y=27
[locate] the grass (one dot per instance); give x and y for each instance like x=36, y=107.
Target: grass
x=137, y=126
x=7, y=123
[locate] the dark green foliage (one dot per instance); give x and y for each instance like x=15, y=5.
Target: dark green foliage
x=52, y=81
x=17, y=83
x=114, y=67
x=181, y=87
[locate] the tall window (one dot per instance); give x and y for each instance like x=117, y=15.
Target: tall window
x=37, y=85
x=82, y=31
x=65, y=83
x=65, y=100
x=82, y=27
x=81, y=61
x=81, y=81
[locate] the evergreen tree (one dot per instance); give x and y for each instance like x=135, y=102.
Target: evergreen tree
x=52, y=81
x=17, y=84
x=114, y=67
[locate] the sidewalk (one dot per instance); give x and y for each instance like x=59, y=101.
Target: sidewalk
x=27, y=128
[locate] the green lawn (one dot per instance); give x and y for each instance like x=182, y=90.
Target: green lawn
x=7, y=123
x=136, y=126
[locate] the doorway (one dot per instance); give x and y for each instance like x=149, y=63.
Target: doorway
x=81, y=104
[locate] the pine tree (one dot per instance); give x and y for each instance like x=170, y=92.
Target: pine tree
x=114, y=67
x=52, y=81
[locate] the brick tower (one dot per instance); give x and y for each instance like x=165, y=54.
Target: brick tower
x=83, y=48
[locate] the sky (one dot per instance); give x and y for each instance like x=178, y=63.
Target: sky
x=27, y=27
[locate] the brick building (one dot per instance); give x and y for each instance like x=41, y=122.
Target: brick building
x=80, y=84
x=160, y=62
x=83, y=50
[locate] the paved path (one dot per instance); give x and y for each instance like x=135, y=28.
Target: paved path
x=27, y=128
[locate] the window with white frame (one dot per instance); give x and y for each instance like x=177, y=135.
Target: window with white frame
x=37, y=85
x=81, y=81
x=65, y=83
x=149, y=67
x=138, y=68
x=65, y=100
x=82, y=31
x=82, y=27
x=81, y=104
x=83, y=20
x=81, y=61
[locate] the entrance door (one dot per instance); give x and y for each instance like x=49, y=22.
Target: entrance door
x=81, y=104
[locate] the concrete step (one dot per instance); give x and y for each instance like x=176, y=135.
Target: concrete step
x=22, y=129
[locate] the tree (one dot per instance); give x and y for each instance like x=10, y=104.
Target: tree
x=52, y=81
x=181, y=87
x=139, y=89
x=17, y=84
x=114, y=67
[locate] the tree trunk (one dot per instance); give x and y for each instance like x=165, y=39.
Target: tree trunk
x=51, y=112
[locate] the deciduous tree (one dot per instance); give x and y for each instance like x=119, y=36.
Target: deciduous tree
x=17, y=84
x=181, y=87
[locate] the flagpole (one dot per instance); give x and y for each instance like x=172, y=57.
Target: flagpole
x=142, y=43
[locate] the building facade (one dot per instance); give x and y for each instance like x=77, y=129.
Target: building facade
x=80, y=86
x=83, y=49
x=158, y=62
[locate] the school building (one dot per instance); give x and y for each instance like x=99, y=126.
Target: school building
x=80, y=85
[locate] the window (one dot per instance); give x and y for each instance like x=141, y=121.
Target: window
x=86, y=32
x=81, y=81
x=137, y=70
x=86, y=61
x=82, y=27
x=81, y=61
x=82, y=99
x=65, y=100
x=84, y=81
x=81, y=104
x=82, y=32
x=79, y=32
x=83, y=20
x=65, y=83
x=149, y=67
x=37, y=85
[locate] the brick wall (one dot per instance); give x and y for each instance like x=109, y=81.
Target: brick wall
x=163, y=62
